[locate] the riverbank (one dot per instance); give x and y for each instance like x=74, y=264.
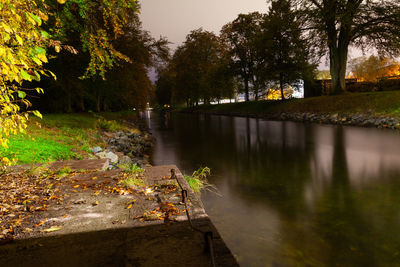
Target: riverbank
x=372, y=109
x=116, y=136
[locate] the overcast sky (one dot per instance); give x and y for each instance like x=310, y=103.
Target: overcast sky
x=174, y=19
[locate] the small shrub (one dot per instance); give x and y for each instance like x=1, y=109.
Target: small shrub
x=107, y=125
x=63, y=172
x=133, y=182
x=41, y=170
x=198, y=180
x=131, y=168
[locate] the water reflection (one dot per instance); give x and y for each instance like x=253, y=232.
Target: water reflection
x=293, y=194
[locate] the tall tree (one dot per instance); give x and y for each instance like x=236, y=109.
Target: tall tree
x=192, y=62
x=282, y=46
x=126, y=85
x=373, y=68
x=338, y=24
x=240, y=35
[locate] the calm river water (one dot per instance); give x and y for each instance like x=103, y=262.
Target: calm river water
x=292, y=194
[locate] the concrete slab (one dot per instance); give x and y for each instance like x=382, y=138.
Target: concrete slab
x=86, y=164
x=98, y=229
x=76, y=165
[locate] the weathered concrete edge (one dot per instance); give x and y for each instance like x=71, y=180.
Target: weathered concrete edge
x=344, y=119
x=201, y=220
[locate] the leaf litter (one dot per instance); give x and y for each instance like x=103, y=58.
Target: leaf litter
x=26, y=195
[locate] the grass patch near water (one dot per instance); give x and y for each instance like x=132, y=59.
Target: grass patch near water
x=58, y=137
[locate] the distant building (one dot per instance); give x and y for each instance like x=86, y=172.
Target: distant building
x=322, y=87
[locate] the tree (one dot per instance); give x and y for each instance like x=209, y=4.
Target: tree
x=192, y=63
x=165, y=86
x=22, y=55
x=373, y=68
x=282, y=46
x=338, y=24
x=240, y=35
x=25, y=39
x=97, y=23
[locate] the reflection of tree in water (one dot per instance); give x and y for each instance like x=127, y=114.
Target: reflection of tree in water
x=276, y=172
x=342, y=226
x=343, y=221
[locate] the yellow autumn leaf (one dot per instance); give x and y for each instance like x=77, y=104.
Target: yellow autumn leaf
x=61, y=1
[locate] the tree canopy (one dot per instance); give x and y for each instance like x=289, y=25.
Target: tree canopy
x=197, y=71
x=282, y=46
x=80, y=38
x=334, y=25
x=241, y=37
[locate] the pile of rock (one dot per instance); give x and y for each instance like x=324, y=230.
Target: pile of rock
x=126, y=148
x=358, y=119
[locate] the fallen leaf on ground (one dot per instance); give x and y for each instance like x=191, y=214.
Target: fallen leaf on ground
x=52, y=229
x=95, y=203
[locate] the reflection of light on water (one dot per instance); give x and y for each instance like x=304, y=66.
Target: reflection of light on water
x=148, y=117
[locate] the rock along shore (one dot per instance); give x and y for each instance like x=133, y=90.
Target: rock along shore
x=350, y=119
x=124, y=148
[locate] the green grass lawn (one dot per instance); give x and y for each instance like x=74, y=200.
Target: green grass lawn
x=59, y=137
x=378, y=103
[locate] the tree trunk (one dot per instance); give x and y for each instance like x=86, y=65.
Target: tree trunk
x=246, y=89
x=281, y=86
x=338, y=61
x=98, y=102
x=256, y=94
x=69, y=96
x=81, y=101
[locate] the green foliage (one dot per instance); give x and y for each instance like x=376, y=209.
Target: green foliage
x=133, y=182
x=196, y=71
x=132, y=168
x=282, y=46
x=24, y=43
x=28, y=150
x=61, y=173
x=241, y=37
x=198, y=180
x=98, y=23
x=39, y=171
x=58, y=136
x=107, y=125
x=22, y=54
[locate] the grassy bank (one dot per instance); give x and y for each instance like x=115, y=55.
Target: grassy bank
x=374, y=103
x=62, y=136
